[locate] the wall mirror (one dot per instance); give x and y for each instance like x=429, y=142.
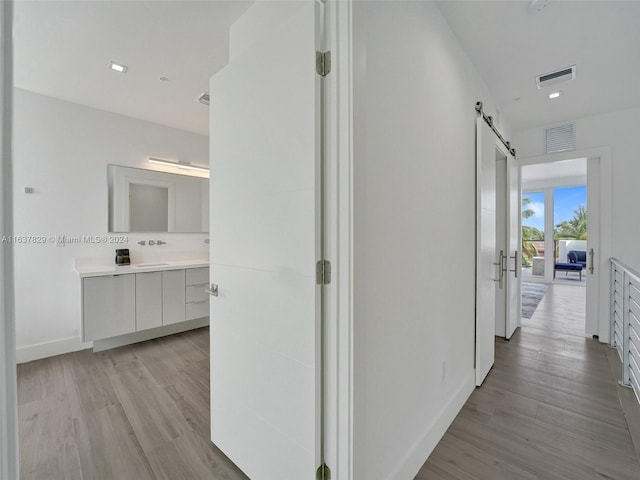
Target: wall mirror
x=150, y=201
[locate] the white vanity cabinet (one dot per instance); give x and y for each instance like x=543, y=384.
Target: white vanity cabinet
x=173, y=296
x=108, y=306
x=196, y=296
x=118, y=304
x=149, y=300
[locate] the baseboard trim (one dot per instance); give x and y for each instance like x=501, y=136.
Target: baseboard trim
x=38, y=351
x=114, y=342
x=29, y=353
x=414, y=460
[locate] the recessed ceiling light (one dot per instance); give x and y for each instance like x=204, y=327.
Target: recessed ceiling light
x=117, y=67
x=554, y=95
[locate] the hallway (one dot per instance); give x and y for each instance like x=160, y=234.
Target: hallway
x=548, y=410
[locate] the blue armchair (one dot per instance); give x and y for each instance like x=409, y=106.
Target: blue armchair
x=577, y=256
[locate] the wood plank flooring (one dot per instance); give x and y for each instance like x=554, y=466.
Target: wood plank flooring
x=549, y=409
x=134, y=413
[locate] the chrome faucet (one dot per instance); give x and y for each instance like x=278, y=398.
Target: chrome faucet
x=152, y=242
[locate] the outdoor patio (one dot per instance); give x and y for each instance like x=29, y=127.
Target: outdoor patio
x=563, y=278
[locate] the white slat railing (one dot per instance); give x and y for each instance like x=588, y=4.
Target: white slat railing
x=625, y=322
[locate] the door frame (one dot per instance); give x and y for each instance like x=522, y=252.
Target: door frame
x=339, y=241
x=603, y=154
x=9, y=463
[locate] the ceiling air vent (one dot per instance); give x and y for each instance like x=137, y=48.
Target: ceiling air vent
x=558, y=76
x=560, y=138
x=204, y=98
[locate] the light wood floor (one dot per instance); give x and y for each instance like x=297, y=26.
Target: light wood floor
x=549, y=409
x=134, y=413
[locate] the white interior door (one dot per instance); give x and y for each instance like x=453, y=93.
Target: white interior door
x=502, y=247
x=486, y=263
x=514, y=233
x=264, y=348
x=593, y=246
x=508, y=236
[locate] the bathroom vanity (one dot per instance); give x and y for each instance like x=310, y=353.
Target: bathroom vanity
x=125, y=300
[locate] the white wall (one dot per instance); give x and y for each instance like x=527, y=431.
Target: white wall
x=62, y=150
x=414, y=233
x=618, y=130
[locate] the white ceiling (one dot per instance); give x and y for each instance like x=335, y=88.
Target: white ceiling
x=510, y=46
x=63, y=49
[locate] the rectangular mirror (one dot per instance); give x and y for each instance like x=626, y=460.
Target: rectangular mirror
x=150, y=201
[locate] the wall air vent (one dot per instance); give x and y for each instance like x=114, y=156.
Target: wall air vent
x=204, y=98
x=559, y=76
x=560, y=138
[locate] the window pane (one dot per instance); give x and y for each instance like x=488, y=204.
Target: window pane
x=533, y=232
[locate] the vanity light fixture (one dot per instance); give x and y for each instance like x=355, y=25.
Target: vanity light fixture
x=182, y=165
x=554, y=95
x=117, y=67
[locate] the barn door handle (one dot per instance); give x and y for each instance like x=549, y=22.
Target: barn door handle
x=515, y=263
x=501, y=268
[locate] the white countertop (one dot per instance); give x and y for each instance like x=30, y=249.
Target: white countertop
x=87, y=269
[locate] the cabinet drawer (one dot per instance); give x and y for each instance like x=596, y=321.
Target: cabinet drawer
x=197, y=310
x=197, y=276
x=196, y=293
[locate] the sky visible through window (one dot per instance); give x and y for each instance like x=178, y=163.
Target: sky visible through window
x=566, y=202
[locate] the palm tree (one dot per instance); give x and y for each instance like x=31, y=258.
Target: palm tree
x=575, y=228
x=526, y=213
x=529, y=233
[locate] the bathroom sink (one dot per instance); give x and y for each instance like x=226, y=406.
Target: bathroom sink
x=146, y=265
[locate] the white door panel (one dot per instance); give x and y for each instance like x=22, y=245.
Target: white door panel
x=264, y=368
x=486, y=272
x=261, y=233
x=512, y=276
x=278, y=319
x=502, y=246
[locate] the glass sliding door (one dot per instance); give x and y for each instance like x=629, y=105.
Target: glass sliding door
x=570, y=233
x=533, y=244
